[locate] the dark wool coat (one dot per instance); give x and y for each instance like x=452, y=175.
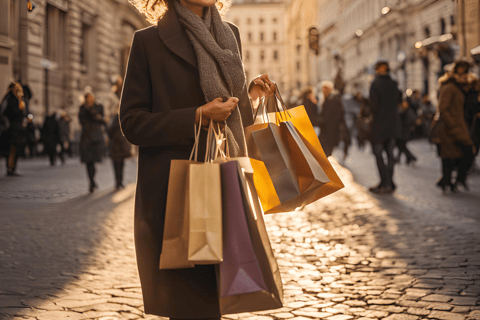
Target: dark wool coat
x=120, y=148
x=157, y=112
x=16, y=135
x=451, y=107
x=330, y=119
x=384, y=100
x=50, y=134
x=92, y=142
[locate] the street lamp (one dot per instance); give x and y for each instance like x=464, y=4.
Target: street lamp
x=359, y=33
x=386, y=10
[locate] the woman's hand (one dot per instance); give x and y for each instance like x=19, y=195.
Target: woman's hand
x=263, y=86
x=216, y=110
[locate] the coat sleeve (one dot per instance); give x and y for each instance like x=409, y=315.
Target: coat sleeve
x=455, y=125
x=139, y=125
x=374, y=98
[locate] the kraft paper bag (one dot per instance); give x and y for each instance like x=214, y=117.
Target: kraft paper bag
x=205, y=214
x=239, y=272
x=175, y=236
x=272, y=296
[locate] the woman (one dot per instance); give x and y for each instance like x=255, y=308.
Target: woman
x=13, y=140
x=120, y=149
x=92, y=143
x=51, y=137
x=188, y=63
x=407, y=121
x=455, y=142
x=310, y=103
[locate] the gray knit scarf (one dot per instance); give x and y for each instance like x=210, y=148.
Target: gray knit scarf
x=220, y=66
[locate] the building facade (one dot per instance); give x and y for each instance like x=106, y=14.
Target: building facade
x=355, y=34
x=62, y=46
x=262, y=31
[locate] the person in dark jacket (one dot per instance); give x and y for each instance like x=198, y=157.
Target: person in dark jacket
x=50, y=137
x=384, y=100
x=331, y=118
x=31, y=136
x=64, y=135
x=170, y=80
x=92, y=142
x=120, y=149
x=13, y=140
x=310, y=103
x=456, y=146
x=363, y=121
x=407, y=126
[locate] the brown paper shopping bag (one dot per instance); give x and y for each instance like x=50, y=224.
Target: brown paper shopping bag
x=205, y=244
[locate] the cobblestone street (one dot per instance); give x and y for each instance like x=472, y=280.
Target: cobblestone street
x=348, y=256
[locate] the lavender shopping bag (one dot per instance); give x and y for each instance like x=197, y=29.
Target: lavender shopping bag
x=239, y=272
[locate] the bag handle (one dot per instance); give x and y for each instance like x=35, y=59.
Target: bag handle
x=281, y=110
x=197, y=139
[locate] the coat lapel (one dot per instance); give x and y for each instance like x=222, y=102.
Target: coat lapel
x=175, y=38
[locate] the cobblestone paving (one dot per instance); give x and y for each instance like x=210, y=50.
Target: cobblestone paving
x=345, y=257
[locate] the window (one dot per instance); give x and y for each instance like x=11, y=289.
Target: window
x=275, y=20
x=261, y=20
x=249, y=36
x=4, y=13
x=427, y=32
x=442, y=26
x=299, y=48
x=247, y=55
x=85, y=49
x=55, y=38
x=274, y=36
x=452, y=20
x=249, y=21
x=262, y=56
x=261, y=36
x=275, y=55
x=299, y=65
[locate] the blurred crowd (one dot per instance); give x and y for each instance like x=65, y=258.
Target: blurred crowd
x=22, y=136
x=388, y=119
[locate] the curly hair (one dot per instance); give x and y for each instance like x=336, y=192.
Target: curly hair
x=154, y=10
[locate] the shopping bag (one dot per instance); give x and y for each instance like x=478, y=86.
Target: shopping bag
x=271, y=297
x=205, y=243
x=316, y=176
x=174, y=253
x=239, y=271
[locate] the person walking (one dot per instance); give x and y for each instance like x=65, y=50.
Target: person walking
x=331, y=118
x=92, y=142
x=384, y=99
x=64, y=135
x=310, y=103
x=456, y=146
x=31, y=131
x=50, y=137
x=14, y=138
x=188, y=64
x=407, y=126
x=120, y=149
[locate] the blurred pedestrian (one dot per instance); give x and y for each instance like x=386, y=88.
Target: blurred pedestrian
x=472, y=108
x=384, y=100
x=426, y=112
x=64, y=135
x=159, y=109
x=27, y=95
x=31, y=136
x=310, y=103
x=92, y=142
x=13, y=140
x=456, y=146
x=331, y=118
x=363, y=121
x=407, y=121
x=120, y=149
x=51, y=137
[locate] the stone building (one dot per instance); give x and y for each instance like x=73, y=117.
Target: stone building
x=62, y=46
x=262, y=31
x=469, y=25
x=355, y=34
